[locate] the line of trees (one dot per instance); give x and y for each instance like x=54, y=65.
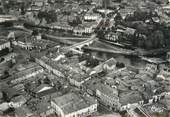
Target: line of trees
x=49, y=16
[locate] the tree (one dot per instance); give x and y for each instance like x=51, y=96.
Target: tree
x=157, y=38
x=35, y=32
x=92, y=62
x=120, y=65
x=75, y=22
x=49, y=16
x=118, y=17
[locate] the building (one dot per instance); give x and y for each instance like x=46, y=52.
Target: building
x=62, y=25
x=92, y=17
x=51, y=66
x=24, y=42
x=29, y=42
x=108, y=65
x=126, y=11
x=85, y=28
x=43, y=89
x=8, y=57
x=74, y=105
x=23, y=111
x=5, y=47
x=97, y=2
x=113, y=37
x=39, y=3
x=7, y=18
x=150, y=70
x=44, y=109
x=77, y=79
x=164, y=72
x=18, y=101
x=26, y=74
x=108, y=96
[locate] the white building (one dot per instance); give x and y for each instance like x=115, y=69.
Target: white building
x=92, y=17
x=62, y=26
x=26, y=45
x=4, y=44
x=73, y=105
x=39, y=2
x=85, y=28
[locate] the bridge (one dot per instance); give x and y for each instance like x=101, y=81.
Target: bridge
x=143, y=111
x=66, y=38
x=132, y=113
x=111, y=51
x=81, y=44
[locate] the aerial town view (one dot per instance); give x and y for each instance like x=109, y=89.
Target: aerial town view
x=84, y=58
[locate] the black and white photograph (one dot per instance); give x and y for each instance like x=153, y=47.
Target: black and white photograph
x=84, y=58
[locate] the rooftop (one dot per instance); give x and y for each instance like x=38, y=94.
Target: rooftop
x=26, y=71
x=3, y=41
x=109, y=63
x=23, y=111
x=73, y=102
x=130, y=97
x=78, y=76
x=111, y=92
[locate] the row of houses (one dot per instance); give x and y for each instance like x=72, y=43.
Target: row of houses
x=4, y=44
x=85, y=28
x=50, y=66
x=123, y=89
x=92, y=17
x=26, y=74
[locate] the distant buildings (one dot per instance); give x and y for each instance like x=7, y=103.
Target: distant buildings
x=33, y=42
x=7, y=18
x=85, y=28
x=73, y=105
x=61, y=26
x=126, y=11
x=39, y=3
